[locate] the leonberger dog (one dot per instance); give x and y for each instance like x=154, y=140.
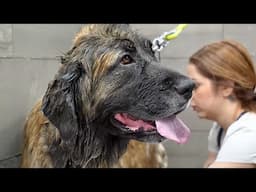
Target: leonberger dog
x=110, y=104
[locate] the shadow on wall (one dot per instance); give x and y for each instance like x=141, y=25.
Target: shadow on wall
x=12, y=162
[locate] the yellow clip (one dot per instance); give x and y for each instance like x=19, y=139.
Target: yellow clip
x=160, y=42
x=173, y=34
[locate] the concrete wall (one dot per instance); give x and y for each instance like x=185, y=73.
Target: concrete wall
x=29, y=56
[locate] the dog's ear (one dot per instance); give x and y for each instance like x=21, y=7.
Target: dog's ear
x=62, y=100
x=67, y=57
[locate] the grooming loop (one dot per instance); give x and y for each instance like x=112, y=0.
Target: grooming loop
x=162, y=41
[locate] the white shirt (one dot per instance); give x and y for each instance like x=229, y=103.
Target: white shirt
x=239, y=144
x=213, y=138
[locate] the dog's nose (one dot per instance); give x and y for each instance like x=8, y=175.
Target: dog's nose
x=185, y=86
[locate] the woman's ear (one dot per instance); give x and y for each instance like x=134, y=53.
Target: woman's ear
x=227, y=89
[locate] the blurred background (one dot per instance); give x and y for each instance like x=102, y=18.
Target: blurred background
x=29, y=58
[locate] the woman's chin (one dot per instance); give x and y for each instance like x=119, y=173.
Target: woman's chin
x=201, y=115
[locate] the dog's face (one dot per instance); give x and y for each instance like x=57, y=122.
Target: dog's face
x=112, y=82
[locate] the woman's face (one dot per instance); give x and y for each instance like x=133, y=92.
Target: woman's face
x=205, y=100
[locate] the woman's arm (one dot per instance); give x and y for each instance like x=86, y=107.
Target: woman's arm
x=231, y=165
x=210, y=159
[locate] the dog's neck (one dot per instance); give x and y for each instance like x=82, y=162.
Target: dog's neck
x=88, y=151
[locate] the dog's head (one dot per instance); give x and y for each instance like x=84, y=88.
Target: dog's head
x=111, y=81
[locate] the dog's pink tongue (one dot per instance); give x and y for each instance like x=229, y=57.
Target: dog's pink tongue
x=173, y=128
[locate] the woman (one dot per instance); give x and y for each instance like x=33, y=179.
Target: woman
x=225, y=93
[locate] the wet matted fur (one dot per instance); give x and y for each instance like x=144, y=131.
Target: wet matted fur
x=110, y=76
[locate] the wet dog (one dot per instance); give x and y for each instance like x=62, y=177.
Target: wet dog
x=109, y=104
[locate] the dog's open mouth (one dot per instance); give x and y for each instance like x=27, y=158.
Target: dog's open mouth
x=171, y=127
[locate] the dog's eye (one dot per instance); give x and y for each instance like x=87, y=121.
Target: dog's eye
x=126, y=60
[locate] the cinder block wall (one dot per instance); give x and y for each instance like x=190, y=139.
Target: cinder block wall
x=29, y=58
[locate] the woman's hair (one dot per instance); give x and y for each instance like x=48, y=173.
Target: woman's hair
x=229, y=60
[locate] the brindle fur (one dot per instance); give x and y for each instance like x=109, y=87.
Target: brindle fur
x=42, y=134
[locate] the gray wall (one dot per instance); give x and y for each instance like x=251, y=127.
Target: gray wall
x=29, y=56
